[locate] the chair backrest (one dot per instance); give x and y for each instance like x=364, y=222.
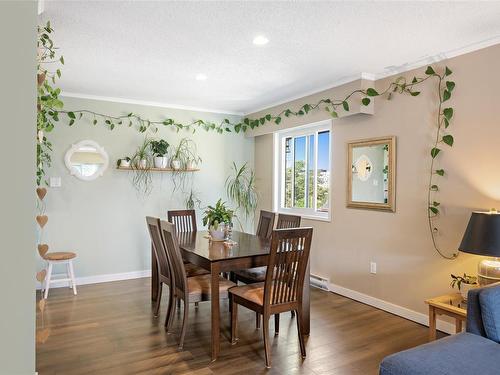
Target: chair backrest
x=184, y=220
x=288, y=259
x=174, y=255
x=158, y=246
x=288, y=221
x=266, y=224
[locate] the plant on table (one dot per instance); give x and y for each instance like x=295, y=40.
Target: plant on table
x=215, y=216
x=160, y=149
x=463, y=283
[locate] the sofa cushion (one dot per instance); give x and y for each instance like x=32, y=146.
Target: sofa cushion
x=489, y=300
x=464, y=353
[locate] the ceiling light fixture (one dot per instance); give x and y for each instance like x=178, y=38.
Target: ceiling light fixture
x=201, y=77
x=260, y=40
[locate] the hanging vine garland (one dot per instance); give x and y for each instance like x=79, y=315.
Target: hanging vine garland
x=50, y=108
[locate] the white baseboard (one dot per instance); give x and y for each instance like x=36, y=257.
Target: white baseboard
x=392, y=308
x=99, y=278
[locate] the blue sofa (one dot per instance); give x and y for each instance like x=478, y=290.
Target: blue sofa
x=474, y=352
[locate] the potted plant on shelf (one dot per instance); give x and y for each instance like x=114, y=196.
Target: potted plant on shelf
x=184, y=155
x=142, y=157
x=160, y=149
x=463, y=283
x=216, y=218
x=123, y=162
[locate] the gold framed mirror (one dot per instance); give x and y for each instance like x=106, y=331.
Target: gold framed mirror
x=371, y=174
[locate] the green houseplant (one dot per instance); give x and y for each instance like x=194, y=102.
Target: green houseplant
x=192, y=200
x=123, y=162
x=141, y=163
x=463, y=283
x=215, y=216
x=240, y=189
x=160, y=149
x=185, y=155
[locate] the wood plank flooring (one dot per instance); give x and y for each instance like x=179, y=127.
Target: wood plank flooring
x=109, y=329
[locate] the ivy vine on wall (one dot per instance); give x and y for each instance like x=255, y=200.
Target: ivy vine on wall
x=50, y=110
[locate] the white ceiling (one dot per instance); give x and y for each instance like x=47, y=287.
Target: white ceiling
x=152, y=51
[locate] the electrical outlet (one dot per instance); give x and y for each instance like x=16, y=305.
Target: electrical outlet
x=373, y=267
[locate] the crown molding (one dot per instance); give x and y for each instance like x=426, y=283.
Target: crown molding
x=146, y=103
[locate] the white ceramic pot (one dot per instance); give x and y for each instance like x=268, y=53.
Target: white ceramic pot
x=464, y=289
x=143, y=163
x=176, y=164
x=191, y=164
x=124, y=163
x=161, y=162
x=217, y=234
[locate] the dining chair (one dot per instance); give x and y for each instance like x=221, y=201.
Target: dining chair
x=282, y=289
x=184, y=220
x=164, y=267
x=258, y=274
x=266, y=224
x=188, y=289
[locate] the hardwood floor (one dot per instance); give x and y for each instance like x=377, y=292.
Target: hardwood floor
x=109, y=329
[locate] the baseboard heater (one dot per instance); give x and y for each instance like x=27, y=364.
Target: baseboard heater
x=319, y=282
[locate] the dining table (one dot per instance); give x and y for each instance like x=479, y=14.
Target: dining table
x=246, y=251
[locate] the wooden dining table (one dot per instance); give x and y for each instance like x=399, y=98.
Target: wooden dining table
x=249, y=251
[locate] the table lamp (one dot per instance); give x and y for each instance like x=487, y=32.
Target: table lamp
x=482, y=237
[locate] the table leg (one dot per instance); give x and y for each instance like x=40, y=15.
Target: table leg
x=432, y=323
x=215, y=270
x=306, y=304
x=458, y=325
x=154, y=275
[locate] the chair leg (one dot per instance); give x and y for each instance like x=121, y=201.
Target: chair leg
x=158, y=299
x=68, y=275
x=292, y=313
x=170, y=307
x=170, y=317
x=234, y=322
x=72, y=271
x=257, y=320
x=265, y=332
x=47, y=280
x=184, y=324
x=276, y=324
x=301, y=335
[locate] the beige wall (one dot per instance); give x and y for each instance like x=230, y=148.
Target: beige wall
x=409, y=270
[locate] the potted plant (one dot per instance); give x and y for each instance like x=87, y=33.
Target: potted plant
x=463, y=283
x=142, y=157
x=240, y=188
x=160, y=149
x=123, y=162
x=185, y=156
x=216, y=218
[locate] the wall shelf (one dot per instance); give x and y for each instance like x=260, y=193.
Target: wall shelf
x=157, y=169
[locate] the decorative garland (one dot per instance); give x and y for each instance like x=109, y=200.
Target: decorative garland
x=50, y=108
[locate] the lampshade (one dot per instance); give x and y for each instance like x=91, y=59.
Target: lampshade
x=482, y=236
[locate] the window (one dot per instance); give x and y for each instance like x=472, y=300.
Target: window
x=302, y=165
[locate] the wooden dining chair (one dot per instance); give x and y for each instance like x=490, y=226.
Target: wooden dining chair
x=184, y=220
x=164, y=266
x=266, y=224
x=258, y=274
x=282, y=289
x=188, y=289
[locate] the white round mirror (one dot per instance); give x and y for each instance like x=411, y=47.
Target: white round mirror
x=86, y=160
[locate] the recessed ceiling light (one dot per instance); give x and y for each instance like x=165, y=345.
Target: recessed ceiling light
x=260, y=40
x=201, y=77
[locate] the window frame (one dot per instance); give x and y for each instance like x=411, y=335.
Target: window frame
x=279, y=169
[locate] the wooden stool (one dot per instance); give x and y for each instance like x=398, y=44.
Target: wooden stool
x=63, y=257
